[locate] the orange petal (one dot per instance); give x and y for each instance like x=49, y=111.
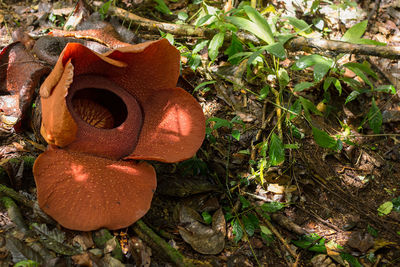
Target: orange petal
x=141, y=69
x=173, y=127
x=152, y=66
x=86, y=193
x=58, y=127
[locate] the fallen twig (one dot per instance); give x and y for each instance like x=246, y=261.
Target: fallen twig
x=26, y=202
x=343, y=47
x=277, y=234
x=145, y=233
x=14, y=213
x=295, y=44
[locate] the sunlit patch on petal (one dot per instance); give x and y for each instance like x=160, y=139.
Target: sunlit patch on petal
x=174, y=127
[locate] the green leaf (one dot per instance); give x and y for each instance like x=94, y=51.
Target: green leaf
x=296, y=108
x=162, y=7
x=369, y=42
x=276, y=150
x=375, y=117
x=372, y=231
x=260, y=22
x=249, y=225
x=194, y=61
x=277, y=50
x=314, y=6
x=311, y=242
x=237, y=230
x=302, y=86
x=236, y=134
x=215, y=43
x=264, y=148
x=321, y=65
x=364, y=67
x=329, y=80
x=245, y=202
x=283, y=78
x=351, y=82
x=265, y=230
x=309, y=106
x=387, y=88
x=183, y=16
x=321, y=69
x=272, y=207
x=250, y=26
x=255, y=54
x=27, y=263
x=199, y=46
x=353, y=95
x=350, y=259
x=241, y=55
x=220, y=123
x=323, y=139
x=206, y=217
x=299, y=24
x=203, y=84
x=104, y=9
x=264, y=92
x=355, y=32
x=203, y=20
x=385, y=208
x=234, y=48
x=396, y=204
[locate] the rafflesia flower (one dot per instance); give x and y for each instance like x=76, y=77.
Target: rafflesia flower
x=101, y=113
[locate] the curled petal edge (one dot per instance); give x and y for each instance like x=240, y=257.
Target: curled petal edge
x=58, y=126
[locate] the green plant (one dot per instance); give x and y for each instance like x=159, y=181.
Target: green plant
x=103, y=11
x=215, y=123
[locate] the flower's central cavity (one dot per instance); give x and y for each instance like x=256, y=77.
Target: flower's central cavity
x=100, y=108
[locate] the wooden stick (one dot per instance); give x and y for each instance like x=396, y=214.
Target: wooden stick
x=300, y=43
x=277, y=234
x=145, y=233
x=295, y=44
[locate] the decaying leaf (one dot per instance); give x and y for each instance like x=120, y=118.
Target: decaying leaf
x=20, y=74
x=21, y=251
x=53, y=239
x=361, y=241
x=202, y=238
x=140, y=252
x=84, y=240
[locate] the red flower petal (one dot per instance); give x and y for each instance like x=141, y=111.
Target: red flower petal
x=173, y=127
x=85, y=193
x=58, y=127
x=141, y=69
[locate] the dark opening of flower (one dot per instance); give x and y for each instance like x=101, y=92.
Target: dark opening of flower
x=99, y=108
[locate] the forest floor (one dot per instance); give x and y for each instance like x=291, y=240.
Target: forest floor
x=288, y=174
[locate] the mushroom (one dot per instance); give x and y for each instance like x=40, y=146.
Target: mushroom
x=102, y=113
